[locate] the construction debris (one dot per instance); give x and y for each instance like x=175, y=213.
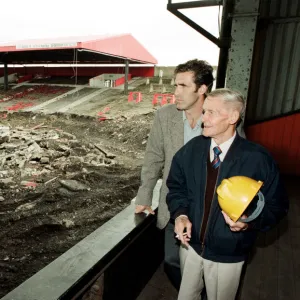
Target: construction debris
x=4, y=134
x=37, y=153
x=74, y=185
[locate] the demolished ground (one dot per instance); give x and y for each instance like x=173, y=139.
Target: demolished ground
x=61, y=177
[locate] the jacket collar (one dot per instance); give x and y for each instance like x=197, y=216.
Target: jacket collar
x=203, y=148
x=202, y=151
x=233, y=152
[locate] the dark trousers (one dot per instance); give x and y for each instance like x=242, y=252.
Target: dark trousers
x=172, y=262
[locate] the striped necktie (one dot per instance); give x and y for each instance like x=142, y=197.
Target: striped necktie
x=216, y=162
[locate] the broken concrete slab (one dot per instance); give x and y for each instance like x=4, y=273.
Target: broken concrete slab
x=4, y=134
x=74, y=185
x=105, y=152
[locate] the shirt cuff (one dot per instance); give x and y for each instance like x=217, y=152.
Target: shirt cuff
x=182, y=216
x=179, y=212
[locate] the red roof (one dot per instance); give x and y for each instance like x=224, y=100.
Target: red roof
x=123, y=46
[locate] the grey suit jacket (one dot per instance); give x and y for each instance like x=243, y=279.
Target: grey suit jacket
x=165, y=139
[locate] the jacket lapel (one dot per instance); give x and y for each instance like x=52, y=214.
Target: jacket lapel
x=231, y=157
x=200, y=158
x=176, y=130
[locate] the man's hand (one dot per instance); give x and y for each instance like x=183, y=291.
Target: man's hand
x=235, y=226
x=142, y=208
x=181, y=223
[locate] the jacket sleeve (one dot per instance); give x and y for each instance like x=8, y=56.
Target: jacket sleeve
x=276, y=198
x=153, y=163
x=177, y=197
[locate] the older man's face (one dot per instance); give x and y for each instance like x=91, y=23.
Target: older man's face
x=216, y=117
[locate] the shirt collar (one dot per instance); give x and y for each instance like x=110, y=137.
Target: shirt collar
x=224, y=146
x=184, y=118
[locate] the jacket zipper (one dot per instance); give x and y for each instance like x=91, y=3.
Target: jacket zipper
x=209, y=216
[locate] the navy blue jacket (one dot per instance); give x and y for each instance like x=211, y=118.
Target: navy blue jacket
x=187, y=182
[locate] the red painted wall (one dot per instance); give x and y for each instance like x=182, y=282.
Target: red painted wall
x=282, y=138
x=121, y=80
x=81, y=71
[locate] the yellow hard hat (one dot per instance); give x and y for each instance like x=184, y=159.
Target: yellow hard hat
x=236, y=193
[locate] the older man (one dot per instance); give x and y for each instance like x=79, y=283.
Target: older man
x=214, y=247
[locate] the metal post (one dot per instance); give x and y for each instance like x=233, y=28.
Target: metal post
x=225, y=37
x=126, y=77
x=5, y=77
x=243, y=35
x=76, y=60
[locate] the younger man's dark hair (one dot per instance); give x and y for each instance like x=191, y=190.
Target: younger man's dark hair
x=203, y=72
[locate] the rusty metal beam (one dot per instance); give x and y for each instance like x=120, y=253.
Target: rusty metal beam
x=195, y=26
x=194, y=4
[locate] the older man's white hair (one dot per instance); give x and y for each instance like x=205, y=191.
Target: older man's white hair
x=234, y=98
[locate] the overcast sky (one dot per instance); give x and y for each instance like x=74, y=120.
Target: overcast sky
x=166, y=37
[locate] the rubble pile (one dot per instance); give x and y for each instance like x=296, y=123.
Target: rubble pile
x=33, y=156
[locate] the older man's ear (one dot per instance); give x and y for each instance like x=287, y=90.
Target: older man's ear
x=234, y=117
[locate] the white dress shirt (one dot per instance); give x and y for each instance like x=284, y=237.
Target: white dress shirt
x=224, y=147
